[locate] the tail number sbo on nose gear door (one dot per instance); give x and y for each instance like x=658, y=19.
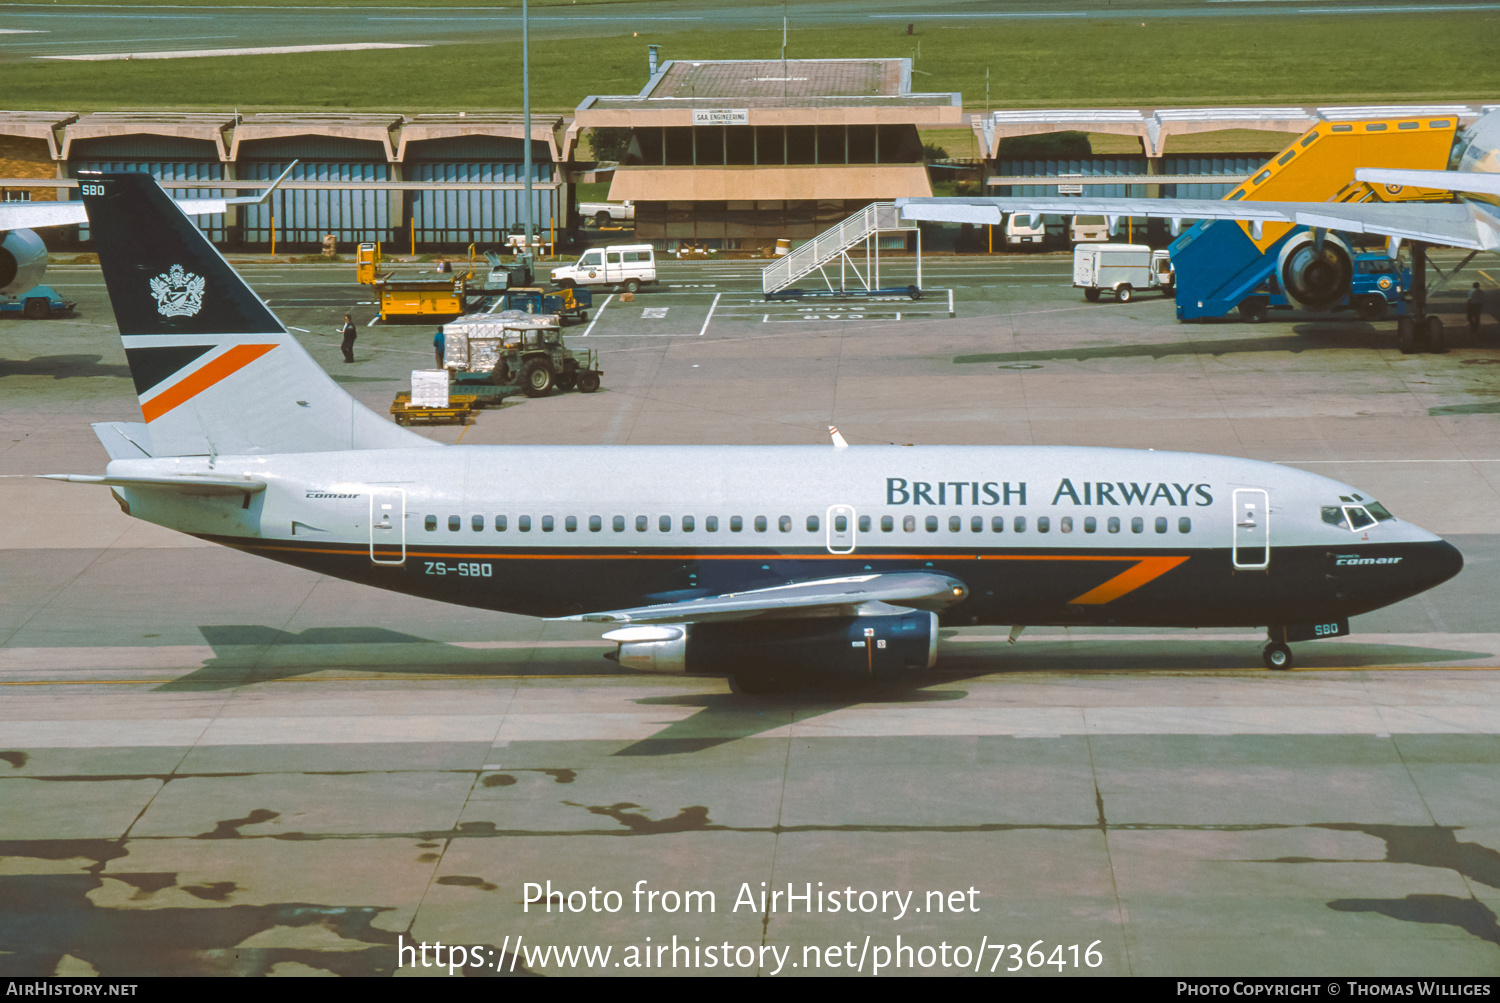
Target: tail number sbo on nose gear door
x=464, y=569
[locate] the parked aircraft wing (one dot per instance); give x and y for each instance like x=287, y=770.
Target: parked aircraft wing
x=825, y=597
x=32, y=215
x=1476, y=182
x=1456, y=225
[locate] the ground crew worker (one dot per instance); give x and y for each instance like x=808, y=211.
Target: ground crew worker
x=1476, y=308
x=348, y=331
x=438, y=344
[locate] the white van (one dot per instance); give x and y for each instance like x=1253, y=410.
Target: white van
x=1121, y=269
x=1025, y=228
x=628, y=265
x=1088, y=229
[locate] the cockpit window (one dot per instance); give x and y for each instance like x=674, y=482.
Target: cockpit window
x=1356, y=517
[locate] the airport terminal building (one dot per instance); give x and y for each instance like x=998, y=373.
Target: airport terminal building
x=734, y=154
x=483, y=148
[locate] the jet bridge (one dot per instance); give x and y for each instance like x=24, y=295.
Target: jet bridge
x=1224, y=265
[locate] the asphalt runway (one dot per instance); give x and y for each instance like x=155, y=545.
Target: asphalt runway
x=213, y=764
x=52, y=30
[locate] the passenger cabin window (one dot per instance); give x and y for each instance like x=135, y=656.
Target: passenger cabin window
x=1114, y=524
x=976, y=524
x=617, y=524
x=453, y=523
x=1043, y=524
x=955, y=523
x=932, y=524
x=736, y=524
x=547, y=524
x=640, y=524
x=477, y=523
x=1065, y=524
x=864, y=524
x=523, y=523
x=1137, y=525
x=430, y=523
x=571, y=524
x=687, y=524
x=909, y=524
x=997, y=524
x=1090, y=524
x=664, y=524
x=760, y=524
x=1184, y=525
x=499, y=523
x=595, y=524
x=784, y=524
x=887, y=524
x=1020, y=524
x=1161, y=524
x=711, y=524
x=812, y=524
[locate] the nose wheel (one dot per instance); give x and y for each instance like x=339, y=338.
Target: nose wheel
x=1276, y=655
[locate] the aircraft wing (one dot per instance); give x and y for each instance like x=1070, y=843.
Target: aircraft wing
x=1452, y=224
x=31, y=215
x=825, y=597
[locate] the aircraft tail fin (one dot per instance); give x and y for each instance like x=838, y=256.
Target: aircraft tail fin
x=214, y=370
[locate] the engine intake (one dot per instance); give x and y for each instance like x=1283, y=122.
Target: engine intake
x=1315, y=279
x=23, y=261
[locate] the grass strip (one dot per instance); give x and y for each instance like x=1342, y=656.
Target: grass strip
x=1226, y=60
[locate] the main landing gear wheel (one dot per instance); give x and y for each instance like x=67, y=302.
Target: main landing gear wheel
x=1406, y=335
x=1434, y=332
x=1276, y=655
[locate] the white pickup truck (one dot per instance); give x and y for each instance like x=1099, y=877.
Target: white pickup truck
x=605, y=213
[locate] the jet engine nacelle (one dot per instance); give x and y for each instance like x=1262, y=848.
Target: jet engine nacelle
x=852, y=648
x=1313, y=278
x=23, y=261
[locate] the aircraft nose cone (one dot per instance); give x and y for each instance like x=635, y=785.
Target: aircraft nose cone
x=1439, y=562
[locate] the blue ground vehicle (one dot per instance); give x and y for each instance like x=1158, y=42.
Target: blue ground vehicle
x=1220, y=270
x=36, y=303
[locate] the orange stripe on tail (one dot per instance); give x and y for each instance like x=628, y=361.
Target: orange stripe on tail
x=201, y=379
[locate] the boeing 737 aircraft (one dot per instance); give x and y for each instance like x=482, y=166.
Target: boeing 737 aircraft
x=1314, y=267
x=771, y=564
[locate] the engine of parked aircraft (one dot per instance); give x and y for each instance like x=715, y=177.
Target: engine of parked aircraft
x=23, y=261
x=1315, y=278
x=859, y=647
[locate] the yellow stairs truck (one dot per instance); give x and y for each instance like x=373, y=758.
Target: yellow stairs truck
x=1225, y=265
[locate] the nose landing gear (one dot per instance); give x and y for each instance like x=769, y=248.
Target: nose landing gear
x=1277, y=655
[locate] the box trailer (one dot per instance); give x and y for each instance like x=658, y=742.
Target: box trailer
x=1121, y=269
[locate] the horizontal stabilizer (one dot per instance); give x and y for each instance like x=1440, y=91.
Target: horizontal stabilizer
x=194, y=485
x=124, y=440
x=826, y=597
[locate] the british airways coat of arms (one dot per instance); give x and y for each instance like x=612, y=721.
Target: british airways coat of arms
x=178, y=292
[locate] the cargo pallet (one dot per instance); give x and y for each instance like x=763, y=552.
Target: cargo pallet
x=460, y=407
